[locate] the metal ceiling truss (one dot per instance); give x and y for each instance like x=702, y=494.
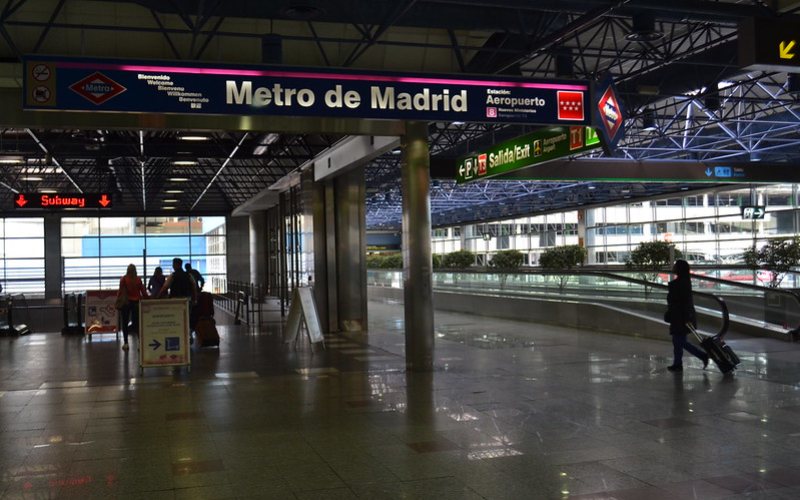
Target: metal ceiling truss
x=674, y=79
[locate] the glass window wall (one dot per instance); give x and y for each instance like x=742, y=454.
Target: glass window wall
x=97, y=251
x=708, y=228
x=22, y=256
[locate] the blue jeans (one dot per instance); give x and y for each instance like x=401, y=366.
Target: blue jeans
x=679, y=343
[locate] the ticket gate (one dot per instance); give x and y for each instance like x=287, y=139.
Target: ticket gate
x=7, y=307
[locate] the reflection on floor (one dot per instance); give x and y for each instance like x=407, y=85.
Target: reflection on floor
x=513, y=410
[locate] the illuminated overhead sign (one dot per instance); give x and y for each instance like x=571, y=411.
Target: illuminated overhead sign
x=77, y=84
x=753, y=212
x=610, y=118
x=61, y=201
x=769, y=44
x=683, y=171
x=540, y=146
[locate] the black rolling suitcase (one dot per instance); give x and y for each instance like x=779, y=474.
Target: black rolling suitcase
x=719, y=352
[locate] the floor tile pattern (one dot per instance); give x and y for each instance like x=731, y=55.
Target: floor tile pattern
x=512, y=411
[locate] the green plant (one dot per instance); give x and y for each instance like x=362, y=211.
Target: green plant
x=460, y=259
x=778, y=255
x=651, y=257
x=374, y=261
x=392, y=261
x=507, y=260
x=564, y=258
x=436, y=260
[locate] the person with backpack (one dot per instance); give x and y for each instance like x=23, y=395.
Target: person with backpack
x=198, y=278
x=179, y=284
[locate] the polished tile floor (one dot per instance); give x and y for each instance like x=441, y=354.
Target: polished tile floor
x=513, y=410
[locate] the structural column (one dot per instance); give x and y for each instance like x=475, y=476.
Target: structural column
x=237, y=244
x=258, y=247
x=350, y=253
x=417, y=265
x=53, y=266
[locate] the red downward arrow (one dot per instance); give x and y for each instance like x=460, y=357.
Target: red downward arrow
x=104, y=201
x=21, y=201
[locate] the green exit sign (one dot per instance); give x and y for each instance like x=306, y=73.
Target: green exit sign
x=753, y=212
x=543, y=145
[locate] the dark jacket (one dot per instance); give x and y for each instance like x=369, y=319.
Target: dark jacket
x=680, y=307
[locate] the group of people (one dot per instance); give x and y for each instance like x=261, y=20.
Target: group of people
x=183, y=282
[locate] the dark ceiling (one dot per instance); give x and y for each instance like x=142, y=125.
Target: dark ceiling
x=675, y=62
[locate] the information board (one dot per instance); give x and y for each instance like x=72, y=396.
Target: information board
x=81, y=84
x=101, y=314
x=543, y=145
x=619, y=170
x=303, y=310
x=61, y=201
x=164, y=333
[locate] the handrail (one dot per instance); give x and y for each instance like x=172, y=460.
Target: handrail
x=719, y=300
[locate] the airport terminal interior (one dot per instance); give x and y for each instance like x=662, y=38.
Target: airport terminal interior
x=416, y=249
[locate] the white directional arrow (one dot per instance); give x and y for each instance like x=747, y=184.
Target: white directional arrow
x=785, y=49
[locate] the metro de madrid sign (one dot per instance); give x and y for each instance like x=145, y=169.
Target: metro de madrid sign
x=79, y=84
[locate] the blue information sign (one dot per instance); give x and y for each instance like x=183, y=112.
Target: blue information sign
x=77, y=84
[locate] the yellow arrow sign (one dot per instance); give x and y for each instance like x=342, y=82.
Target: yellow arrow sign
x=785, y=50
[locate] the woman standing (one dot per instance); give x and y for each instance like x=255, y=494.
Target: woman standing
x=130, y=285
x=680, y=310
x=156, y=282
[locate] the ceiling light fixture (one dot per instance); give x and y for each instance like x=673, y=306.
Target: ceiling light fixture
x=193, y=137
x=649, y=120
x=179, y=179
x=644, y=29
x=563, y=63
x=48, y=191
x=32, y=178
x=174, y=191
x=12, y=160
x=712, y=101
x=266, y=140
x=40, y=170
x=171, y=200
x=168, y=208
x=793, y=83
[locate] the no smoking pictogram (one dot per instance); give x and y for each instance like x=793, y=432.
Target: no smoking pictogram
x=41, y=72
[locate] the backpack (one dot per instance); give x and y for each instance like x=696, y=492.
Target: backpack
x=181, y=285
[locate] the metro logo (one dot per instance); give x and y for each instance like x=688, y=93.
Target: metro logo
x=97, y=88
x=610, y=114
x=570, y=105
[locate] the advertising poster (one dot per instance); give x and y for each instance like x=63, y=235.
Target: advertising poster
x=101, y=315
x=164, y=332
